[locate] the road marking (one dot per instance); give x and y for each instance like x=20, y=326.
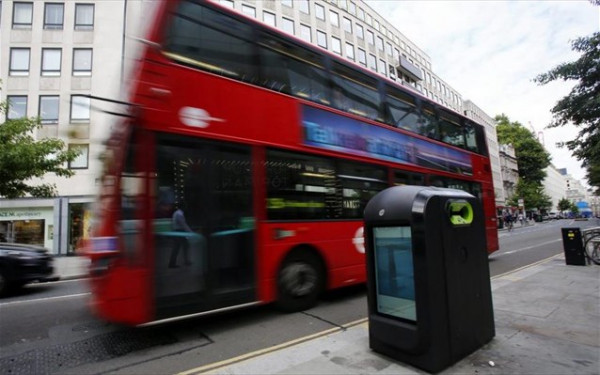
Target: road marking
x=524, y=248
x=526, y=266
x=243, y=357
x=44, y=299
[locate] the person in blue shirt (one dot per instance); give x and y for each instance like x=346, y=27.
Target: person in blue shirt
x=179, y=225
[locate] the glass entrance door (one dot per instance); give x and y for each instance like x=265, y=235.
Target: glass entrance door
x=203, y=226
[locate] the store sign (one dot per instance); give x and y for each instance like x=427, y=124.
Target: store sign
x=19, y=214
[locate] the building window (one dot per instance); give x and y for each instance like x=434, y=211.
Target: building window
x=48, y=111
x=360, y=31
x=379, y=43
x=227, y=3
x=347, y=25
x=388, y=49
x=352, y=8
x=361, y=14
x=269, y=19
x=249, y=11
x=322, y=39
x=287, y=3
x=19, y=62
x=372, y=62
x=336, y=45
x=382, y=68
x=22, y=15
x=81, y=161
x=51, y=61
x=53, y=16
x=80, y=108
x=334, y=19
x=305, y=33
x=17, y=107
x=362, y=57
x=84, y=16
x=287, y=25
x=320, y=11
x=350, y=51
x=304, y=6
x=82, y=61
x=370, y=37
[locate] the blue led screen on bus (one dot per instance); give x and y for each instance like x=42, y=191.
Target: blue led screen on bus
x=331, y=131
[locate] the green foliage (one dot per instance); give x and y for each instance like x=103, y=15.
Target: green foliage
x=532, y=157
x=22, y=158
x=532, y=194
x=574, y=209
x=582, y=106
x=564, y=205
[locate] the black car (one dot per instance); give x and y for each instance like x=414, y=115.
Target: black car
x=21, y=264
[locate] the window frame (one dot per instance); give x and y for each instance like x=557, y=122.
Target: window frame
x=10, y=98
x=54, y=26
x=12, y=71
x=53, y=120
x=80, y=120
x=86, y=154
x=83, y=26
x=322, y=34
x=82, y=72
x=51, y=72
x=21, y=25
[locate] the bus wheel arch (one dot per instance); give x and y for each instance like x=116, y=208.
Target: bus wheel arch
x=301, y=278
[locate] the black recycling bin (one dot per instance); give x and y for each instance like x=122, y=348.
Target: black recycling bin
x=429, y=292
x=573, y=247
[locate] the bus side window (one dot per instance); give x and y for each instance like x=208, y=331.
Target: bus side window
x=429, y=122
x=470, y=137
x=209, y=40
x=450, y=131
x=401, y=111
x=355, y=93
x=408, y=178
x=360, y=183
x=292, y=69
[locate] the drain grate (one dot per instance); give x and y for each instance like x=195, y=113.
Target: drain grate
x=99, y=348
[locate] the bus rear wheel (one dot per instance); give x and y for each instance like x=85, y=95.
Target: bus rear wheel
x=299, y=282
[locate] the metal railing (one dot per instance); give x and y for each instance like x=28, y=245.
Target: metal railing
x=591, y=244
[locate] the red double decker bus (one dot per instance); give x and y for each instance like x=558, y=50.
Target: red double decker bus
x=242, y=174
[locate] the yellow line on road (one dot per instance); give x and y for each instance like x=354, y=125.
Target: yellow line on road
x=243, y=357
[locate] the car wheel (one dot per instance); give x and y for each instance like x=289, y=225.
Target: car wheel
x=299, y=282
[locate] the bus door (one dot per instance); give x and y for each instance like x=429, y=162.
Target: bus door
x=203, y=226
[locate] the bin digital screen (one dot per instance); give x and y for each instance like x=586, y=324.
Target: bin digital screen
x=394, y=275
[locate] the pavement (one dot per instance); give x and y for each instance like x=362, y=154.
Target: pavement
x=546, y=316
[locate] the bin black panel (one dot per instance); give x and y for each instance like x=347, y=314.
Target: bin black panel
x=573, y=247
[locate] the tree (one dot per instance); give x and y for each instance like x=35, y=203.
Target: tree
x=582, y=106
x=532, y=157
x=532, y=194
x=564, y=205
x=22, y=158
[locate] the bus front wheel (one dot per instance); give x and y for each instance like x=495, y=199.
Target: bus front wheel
x=299, y=282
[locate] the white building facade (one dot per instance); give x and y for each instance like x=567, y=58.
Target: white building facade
x=555, y=185
x=54, y=55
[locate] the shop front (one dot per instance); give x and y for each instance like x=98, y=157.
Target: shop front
x=55, y=223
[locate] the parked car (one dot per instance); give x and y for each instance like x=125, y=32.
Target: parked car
x=21, y=264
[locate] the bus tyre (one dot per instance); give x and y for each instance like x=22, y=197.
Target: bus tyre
x=299, y=282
